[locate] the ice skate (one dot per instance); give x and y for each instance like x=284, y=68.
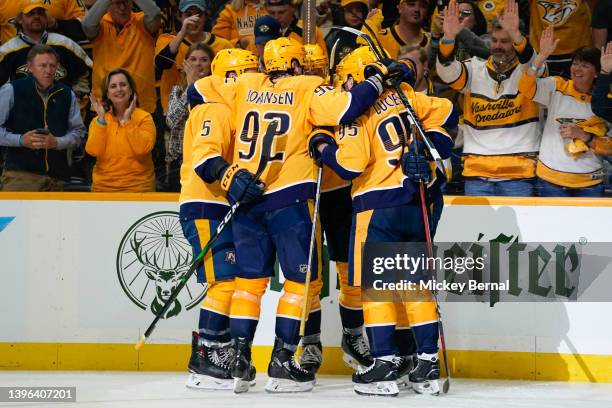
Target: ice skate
x=356, y=351
x=425, y=377
x=405, y=364
x=378, y=379
x=209, y=365
x=285, y=375
x=242, y=371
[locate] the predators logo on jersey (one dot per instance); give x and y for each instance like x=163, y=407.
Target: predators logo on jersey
x=557, y=12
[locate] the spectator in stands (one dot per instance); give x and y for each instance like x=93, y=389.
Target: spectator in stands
x=39, y=122
x=170, y=49
x=63, y=17
x=284, y=12
x=121, y=138
x=601, y=103
x=74, y=66
x=572, y=22
x=567, y=166
x=408, y=30
x=236, y=21
x=196, y=65
x=266, y=29
x=353, y=13
x=500, y=130
x=602, y=23
x=470, y=40
x=122, y=38
x=8, y=11
x=418, y=56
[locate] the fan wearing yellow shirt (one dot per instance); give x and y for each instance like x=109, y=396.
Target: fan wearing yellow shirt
x=209, y=135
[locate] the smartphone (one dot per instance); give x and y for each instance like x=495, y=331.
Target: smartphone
x=42, y=131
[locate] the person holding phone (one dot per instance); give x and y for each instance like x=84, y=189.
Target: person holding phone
x=39, y=121
x=121, y=138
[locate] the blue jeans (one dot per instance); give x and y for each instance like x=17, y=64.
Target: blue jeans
x=546, y=189
x=513, y=188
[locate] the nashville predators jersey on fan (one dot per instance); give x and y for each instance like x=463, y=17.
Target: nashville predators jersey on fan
x=209, y=133
x=297, y=102
x=565, y=104
x=236, y=25
x=571, y=19
x=369, y=150
x=500, y=124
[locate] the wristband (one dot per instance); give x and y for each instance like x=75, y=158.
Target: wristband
x=101, y=121
x=20, y=140
x=226, y=179
x=445, y=41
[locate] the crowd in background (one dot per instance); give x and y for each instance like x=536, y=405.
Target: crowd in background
x=95, y=90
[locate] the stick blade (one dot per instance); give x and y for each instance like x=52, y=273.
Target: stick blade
x=446, y=385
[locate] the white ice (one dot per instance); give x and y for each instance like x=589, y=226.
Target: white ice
x=152, y=390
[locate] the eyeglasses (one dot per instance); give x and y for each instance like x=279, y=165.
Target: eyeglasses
x=465, y=13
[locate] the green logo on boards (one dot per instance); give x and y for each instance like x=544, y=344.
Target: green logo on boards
x=151, y=260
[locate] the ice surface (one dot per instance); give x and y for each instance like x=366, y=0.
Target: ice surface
x=167, y=390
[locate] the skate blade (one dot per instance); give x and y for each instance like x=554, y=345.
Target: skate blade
x=403, y=383
x=279, y=385
x=429, y=387
x=241, y=385
x=205, y=382
x=381, y=388
x=352, y=362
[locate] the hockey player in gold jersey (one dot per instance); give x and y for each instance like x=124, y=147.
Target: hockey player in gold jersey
x=280, y=223
x=209, y=133
x=386, y=208
x=335, y=210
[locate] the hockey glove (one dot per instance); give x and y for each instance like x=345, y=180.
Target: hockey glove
x=415, y=165
x=391, y=72
x=241, y=185
x=315, y=141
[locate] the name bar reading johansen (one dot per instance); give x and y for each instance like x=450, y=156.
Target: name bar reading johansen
x=37, y=394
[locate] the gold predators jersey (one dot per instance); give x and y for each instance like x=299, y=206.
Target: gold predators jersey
x=392, y=41
x=370, y=149
x=209, y=133
x=571, y=19
x=297, y=103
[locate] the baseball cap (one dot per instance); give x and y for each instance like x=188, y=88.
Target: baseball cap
x=185, y=4
x=29, y=5
x=266, y=28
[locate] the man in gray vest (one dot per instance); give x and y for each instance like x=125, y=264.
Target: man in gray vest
x=39, y=121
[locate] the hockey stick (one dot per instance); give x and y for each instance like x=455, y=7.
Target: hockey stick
x=266, y=147
x=380, y=54
x=313, y=240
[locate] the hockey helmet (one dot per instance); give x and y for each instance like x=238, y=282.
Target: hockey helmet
x=279, y=54
x=315, y=58
x=353, y=65
x=233, y=59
